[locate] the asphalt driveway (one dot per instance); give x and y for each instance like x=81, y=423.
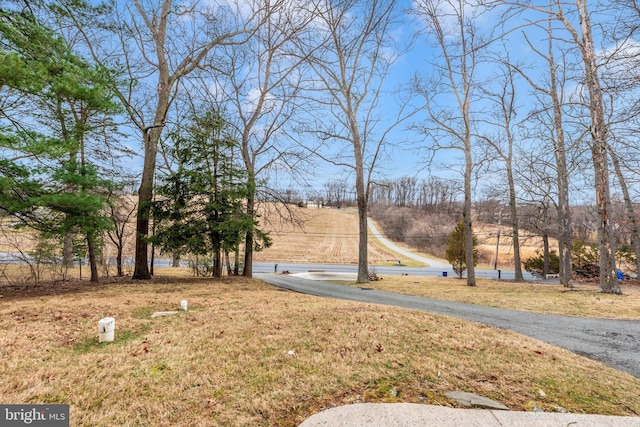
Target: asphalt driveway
x=615, y=343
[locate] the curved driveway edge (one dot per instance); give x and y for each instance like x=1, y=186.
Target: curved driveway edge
x=615, y=343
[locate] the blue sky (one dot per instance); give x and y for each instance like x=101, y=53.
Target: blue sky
x=409, y=159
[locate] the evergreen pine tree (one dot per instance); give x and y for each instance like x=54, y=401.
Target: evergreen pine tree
x=455, y=252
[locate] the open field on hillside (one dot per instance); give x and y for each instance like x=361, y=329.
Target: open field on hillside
x=327, y=236
x=324, y=236
x=330, y=235
x=248, y=354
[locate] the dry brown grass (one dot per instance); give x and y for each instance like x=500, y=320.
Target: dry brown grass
x=584, y=300
x=486, y=235
x=329, y=236
x=226, y=361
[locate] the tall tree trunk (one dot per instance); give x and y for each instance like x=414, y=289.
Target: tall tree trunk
x=466, y=213
x=152, y=262
x=227, y=261
x=217, y=262
x=93, y=264
x=507, y=99
x=236, y=265
x=249, y=162
x=151, y=135
x=495, y=259
x=145, y=194
x=145, y=198
x=119, y=261
x=247, y=271
x=515, y=229
x=564, y=216
x=631, y=217
x=363, y=233
x=248, y=243
x=608, y=278
x=362, y=200
x=564, y=213
x=545, y=256
x=67, y=250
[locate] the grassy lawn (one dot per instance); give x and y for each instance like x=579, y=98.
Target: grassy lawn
x=583, y=300
x=249, y=354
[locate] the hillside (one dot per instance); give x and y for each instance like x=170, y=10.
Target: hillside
x=307, y=236
x=323, y=236
x=330, y=235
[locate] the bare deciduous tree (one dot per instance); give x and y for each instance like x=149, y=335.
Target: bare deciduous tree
x=620, y=73
x=550, y=91
x=336, y=193
x=438, y=195
x=537, y=183
x=351, y=58
x=121, y=209
x=599, y=145
x=450, y=124
x=581, y=37
x=503, y=99
x=634, y=224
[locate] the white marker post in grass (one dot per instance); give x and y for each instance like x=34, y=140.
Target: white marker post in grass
x=106, y=329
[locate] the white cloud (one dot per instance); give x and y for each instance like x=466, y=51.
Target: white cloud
x=620, y=61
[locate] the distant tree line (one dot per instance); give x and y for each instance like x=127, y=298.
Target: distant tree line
x=432, y=194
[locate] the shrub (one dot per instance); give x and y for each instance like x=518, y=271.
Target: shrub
x=535, y=265
x=583, y=254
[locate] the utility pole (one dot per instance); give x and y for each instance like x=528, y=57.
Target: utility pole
x=495, y=262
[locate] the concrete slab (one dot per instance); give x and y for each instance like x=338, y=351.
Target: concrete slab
x=417, y=415
x=399, y=414
x=547, y=419
x=164, y=313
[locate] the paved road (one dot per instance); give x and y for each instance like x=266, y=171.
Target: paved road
x=268, y=267
x=615, y=343
x=439, y=265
